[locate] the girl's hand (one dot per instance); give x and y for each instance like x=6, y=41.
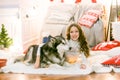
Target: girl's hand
x=82, y=66
x=37, y=62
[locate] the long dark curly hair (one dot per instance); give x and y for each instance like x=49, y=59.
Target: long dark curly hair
x=82, y=39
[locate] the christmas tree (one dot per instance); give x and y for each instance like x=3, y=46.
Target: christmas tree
x=5, y=40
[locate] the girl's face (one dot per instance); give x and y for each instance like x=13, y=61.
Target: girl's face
x=74, y=33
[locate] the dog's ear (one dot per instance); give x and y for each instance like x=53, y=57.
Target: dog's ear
x=49, y=36
x=52, y=39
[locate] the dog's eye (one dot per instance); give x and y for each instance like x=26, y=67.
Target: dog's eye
x=52, y=40
x=63, y=43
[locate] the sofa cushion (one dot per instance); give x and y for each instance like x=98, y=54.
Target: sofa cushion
x=114, y=61
x=89, y=18
x=104, y=46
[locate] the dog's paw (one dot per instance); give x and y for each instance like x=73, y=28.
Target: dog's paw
x=19, y=58
x=26, y=63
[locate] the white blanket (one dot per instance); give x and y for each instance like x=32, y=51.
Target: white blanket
x=53, y=69
x=94, y=65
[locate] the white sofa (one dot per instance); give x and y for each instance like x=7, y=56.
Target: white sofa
x=59, y=16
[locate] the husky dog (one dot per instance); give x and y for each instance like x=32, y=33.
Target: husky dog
x=48, y=52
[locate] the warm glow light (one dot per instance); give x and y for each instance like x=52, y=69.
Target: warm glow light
x=17, y=46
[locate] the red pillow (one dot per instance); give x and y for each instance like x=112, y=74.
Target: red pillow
x=106, y=45
x=114, y=61
x=89, y=18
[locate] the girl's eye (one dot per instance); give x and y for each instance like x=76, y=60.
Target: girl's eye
x=76, y=31
x=71, y=32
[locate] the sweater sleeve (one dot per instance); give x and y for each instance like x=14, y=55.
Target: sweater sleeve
x=84, y=59
x=38, y=50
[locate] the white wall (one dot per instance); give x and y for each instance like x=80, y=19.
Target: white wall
x=9, y=16
x=31, y=15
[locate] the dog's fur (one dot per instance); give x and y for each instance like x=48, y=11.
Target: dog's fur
x=30, y=56
x=48, y=52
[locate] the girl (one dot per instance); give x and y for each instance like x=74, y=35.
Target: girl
x=76, y=47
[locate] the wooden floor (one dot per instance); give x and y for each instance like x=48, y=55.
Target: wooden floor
x=93, y=76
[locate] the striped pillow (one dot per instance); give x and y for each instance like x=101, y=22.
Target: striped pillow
x=89, y=18
x=104, y=46
x=114, y=61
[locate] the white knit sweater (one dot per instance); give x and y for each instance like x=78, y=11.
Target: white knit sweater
x=74, y=45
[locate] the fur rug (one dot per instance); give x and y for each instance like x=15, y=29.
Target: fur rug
x=94, y=65
x=19, y=67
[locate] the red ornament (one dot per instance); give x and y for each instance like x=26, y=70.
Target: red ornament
x=62, y=1
x=51, y=0
x=94, y=1
x=77, y=1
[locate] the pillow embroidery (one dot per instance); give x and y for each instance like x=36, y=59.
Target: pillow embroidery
x=89, y=18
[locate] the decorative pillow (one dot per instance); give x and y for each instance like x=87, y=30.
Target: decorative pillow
x=46, y=39
x=89, y=18
x=60, y=13
x=114, y=61
x=106, y=45
x=59, y=17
